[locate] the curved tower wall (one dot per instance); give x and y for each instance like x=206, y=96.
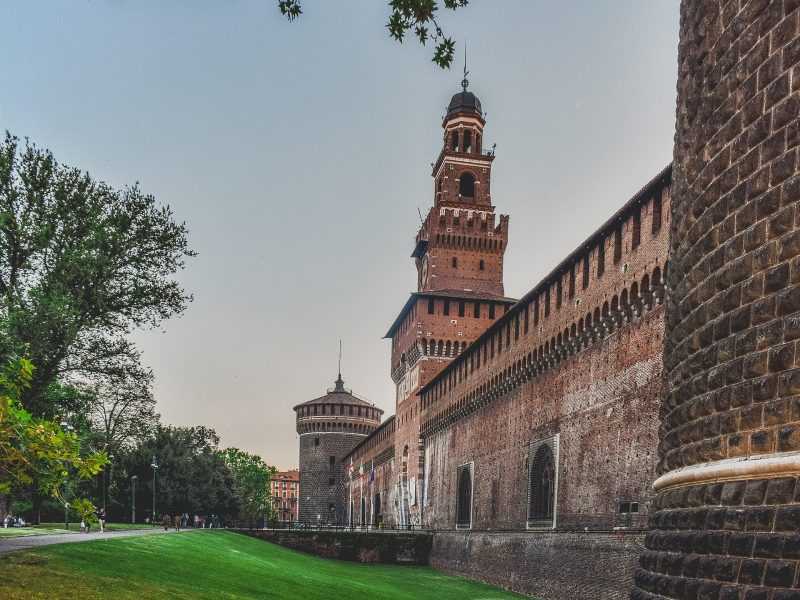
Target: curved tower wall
x=726, y=520
x=329, y=428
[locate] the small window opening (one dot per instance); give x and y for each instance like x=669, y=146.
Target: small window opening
x=476, y=310
x=572, y=281
x=481, y=265
x=461, y=308
x=430, y=306
x=559, y=292
x=466, y=185
x=657, y=212
x=617, y=244
x=585, y=271
x=447, y=307
x=454, y=262
x=637, y=228
x=491, y=310
x=601, y=258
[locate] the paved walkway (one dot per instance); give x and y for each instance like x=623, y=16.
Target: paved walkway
x=34, y=541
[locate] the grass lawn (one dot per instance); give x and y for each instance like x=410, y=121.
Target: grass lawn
x=215, y=564
x=48, y=528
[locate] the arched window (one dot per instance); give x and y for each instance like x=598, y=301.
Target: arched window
x=466, y=185
x=454, y=141
x=542, y=486
x=467, y=141
x=464, y=506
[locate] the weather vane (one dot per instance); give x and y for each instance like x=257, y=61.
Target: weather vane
x=465, y=81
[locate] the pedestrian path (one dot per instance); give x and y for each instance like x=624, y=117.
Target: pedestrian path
x=34, y=541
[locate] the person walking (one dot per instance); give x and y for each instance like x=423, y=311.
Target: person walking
x=177, y=521
x=166, y=521
x=101, y=518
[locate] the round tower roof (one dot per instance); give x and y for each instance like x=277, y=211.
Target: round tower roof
x=338, y=395
x=464, y=101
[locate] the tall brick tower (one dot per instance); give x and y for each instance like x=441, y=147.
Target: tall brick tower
x=726, y=521
x=459, y=257
x=329, y=426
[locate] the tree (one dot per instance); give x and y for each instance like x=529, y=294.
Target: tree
x=251, y=476
x=121, y=410
x=81, y=264
x=36, y=451
x=192, y=476
x=418, y=16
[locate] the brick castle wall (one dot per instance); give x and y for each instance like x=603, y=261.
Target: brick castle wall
x=551, y=566
x=727, y=515
x=321, y=486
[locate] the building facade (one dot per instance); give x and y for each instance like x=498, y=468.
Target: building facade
x=285, y=495
x=540, y=413
x=329, y=428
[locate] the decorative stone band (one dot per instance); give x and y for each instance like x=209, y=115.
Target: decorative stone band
x=763, y=466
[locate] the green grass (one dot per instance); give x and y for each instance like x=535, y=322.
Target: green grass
x=49, y=528
x=215, y=564
x=95, y=526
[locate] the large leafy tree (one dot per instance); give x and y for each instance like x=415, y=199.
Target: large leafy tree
x=408, y=17
x=81, y=264
x=34, y=451
x=251, y=476
x=192, y=476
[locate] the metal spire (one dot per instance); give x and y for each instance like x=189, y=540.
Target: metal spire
x=339, y=382
x=465, y=81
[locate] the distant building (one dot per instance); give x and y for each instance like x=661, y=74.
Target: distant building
x=285, y=493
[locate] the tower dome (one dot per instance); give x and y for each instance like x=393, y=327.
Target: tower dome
x=464, y=101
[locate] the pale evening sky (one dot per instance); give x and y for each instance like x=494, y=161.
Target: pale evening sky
x=299, y=153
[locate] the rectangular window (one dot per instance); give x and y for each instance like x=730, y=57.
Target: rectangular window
x=536, y=311
x=461, y=308
x=559, y=292
x=476, y=310
x=527, y=318
x=464, y=497
x=430, y=306
x=637, y=228
x=491, y=350
x=447, y=307
x=601, y=258
x=572, y=281
x=585, y=271
x=618, y=244
x=491, y=310
x=547, y=302
x=516, y=328
x=508, y=335
x=657, y=212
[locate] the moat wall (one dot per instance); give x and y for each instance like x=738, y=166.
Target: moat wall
x=547, y=565
x=411, y=548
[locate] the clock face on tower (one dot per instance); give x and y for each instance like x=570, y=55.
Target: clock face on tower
x=423, y=272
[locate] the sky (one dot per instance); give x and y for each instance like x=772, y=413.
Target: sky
x=299, y=153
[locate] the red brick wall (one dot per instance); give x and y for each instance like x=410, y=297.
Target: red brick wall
x=732, y=321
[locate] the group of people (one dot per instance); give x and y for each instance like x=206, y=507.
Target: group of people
x=12, y=521
x=184, y=521
x=100, y=515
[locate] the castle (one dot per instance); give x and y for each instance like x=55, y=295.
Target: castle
x=539, y=436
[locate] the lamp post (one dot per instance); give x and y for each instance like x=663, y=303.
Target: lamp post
x=105, y=482
x=154, y=464
x=133, y=498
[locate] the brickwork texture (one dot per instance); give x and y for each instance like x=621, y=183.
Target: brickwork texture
x=733, y=315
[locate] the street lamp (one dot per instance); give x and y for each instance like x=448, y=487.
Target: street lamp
x=154, y=464
x=133, y=498
x=105, y=482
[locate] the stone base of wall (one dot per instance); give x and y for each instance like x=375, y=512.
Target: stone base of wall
x=365, y=547
x=547, y=565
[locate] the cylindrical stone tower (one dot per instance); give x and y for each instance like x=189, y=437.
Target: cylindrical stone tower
x=330, y=427
x=726, y=520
